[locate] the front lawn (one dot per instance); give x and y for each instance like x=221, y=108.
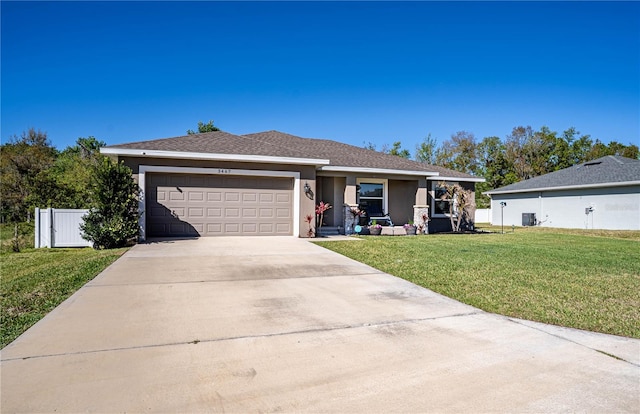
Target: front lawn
x=35, y=281
x=586, y=280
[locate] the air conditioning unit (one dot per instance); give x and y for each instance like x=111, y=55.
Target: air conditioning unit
x=529, y=219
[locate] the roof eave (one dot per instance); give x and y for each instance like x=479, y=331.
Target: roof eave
x=366, y=170
x=465, y=179
x=565, y=187
x=212, y=156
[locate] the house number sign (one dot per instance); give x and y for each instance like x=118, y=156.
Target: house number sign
x=224, y=171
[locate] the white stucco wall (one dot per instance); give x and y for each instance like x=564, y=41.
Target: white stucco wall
x=616, y=208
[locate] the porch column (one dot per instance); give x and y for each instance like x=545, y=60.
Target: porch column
x=421, y=207
x=349, y=203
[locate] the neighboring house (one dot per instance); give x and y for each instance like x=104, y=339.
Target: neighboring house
x=267, y=183
x=599, y=194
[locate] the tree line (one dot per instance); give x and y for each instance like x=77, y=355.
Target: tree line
x=523, y=154
x=33, y=173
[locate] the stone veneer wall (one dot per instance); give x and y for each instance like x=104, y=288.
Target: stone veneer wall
x=418, y=212
x=349, y=220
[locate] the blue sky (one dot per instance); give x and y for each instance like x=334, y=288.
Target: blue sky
x=356, y=72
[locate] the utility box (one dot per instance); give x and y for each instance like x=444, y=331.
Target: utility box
x=529, y=219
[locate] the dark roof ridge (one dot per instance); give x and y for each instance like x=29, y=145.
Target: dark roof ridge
x=617, y=160
x=606, y=170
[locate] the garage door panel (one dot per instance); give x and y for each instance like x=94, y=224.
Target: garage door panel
x=214, y=181
x=214, y=196
x=214, y=228
x=158, y=212
x=250, y=228
x=266, y=197
x=157, y=228
x=196, y=196
x=214, y=212
x=196, y=212
x=283, y=228
x=249, y=197
x=232, y=228
x=198, y=181
x=232, y=196
x=175, y=180
x=249, y=213
x=176, y=196
x=283, y=198
x=266, y=213
x=181, y=204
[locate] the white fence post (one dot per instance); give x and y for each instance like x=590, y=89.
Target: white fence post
x=36, y=233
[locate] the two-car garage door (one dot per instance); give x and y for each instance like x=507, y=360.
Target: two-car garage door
x=218, y=205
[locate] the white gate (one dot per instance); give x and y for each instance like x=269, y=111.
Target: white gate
x=59, y=228
x=483, y=215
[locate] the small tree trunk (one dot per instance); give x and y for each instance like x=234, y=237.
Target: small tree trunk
x=16, y=242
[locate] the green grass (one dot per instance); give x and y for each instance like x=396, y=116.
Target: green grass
x=586, y=280
x=34, y=281
x=25, y=236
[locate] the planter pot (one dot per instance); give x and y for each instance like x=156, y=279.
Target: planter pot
x=374, y=231
x=411, y=230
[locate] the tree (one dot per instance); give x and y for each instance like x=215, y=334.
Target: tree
x=493, y=167
x=397, y=150
x=23, y=160
x=66, y=184
x=426, y=151
x=599, y=149
x=459, y=153
x=516, y=152
x=462, y=209
x=113, y=220
x=369, y=145
x=202, y=128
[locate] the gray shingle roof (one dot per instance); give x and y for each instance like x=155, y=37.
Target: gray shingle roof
x=278, y=144
x=606, y=170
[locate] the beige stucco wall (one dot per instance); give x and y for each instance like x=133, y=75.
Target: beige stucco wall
x=402, y=195
x=307, y=175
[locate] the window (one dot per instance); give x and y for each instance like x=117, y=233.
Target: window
x=371, y=196
x=441, y=202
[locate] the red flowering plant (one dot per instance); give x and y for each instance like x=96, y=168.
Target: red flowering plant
x=309, y=218
x=320, y=210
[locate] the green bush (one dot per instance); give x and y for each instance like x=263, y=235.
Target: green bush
x=113, y=220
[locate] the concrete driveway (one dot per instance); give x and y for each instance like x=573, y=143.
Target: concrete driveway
x=280, y=324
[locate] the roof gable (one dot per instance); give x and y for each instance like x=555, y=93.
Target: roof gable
x=608, y=170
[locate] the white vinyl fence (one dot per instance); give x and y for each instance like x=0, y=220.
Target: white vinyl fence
x=483, y=215
x=59, y=228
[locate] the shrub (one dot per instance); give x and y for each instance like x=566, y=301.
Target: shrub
x=113, y=220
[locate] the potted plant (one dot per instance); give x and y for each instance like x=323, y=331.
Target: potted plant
x=410, y=228
x=375, y=229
